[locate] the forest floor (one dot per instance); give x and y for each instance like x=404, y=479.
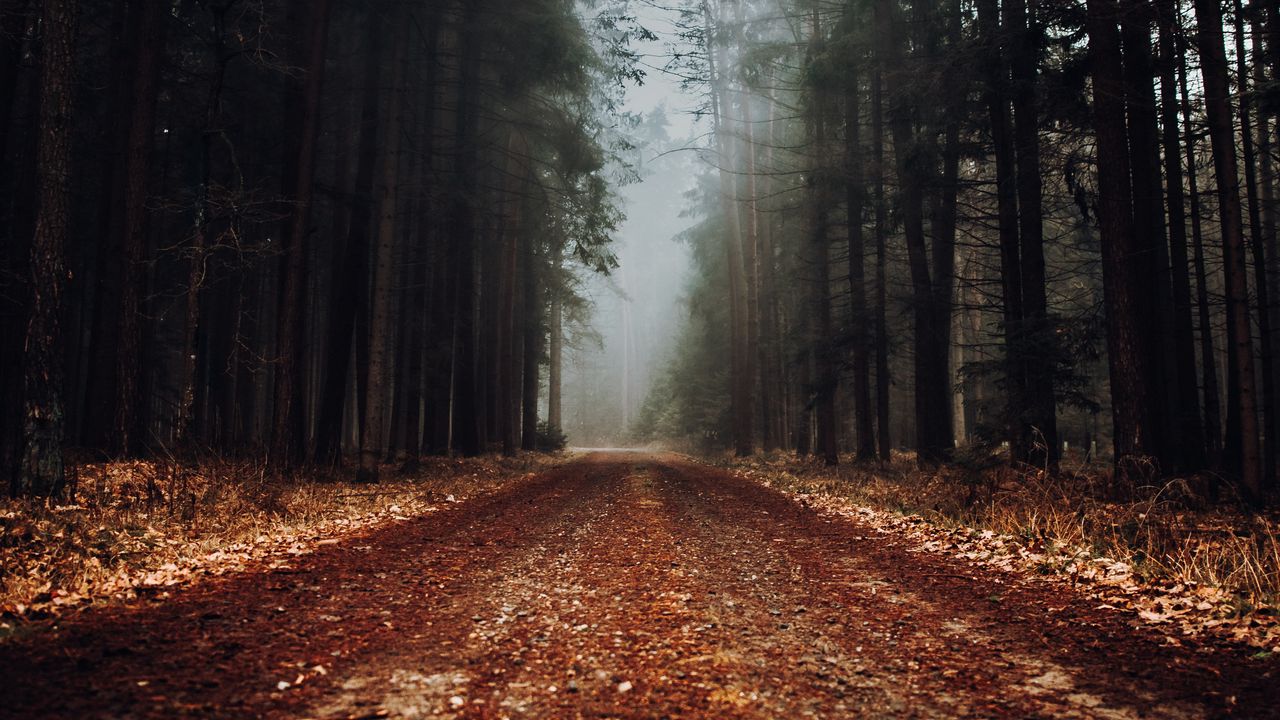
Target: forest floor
x=628, y=585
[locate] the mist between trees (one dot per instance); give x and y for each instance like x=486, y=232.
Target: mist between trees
x=337, y=231
x=1040, y=226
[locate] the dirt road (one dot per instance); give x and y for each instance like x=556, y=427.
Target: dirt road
x=623, y=585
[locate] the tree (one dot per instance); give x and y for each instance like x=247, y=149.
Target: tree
x=286, y=435
x=373, y=429
x=721, y=109
x=1247, y=455
x=41, y=474
x=1130, y=391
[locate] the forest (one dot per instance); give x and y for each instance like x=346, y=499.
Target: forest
x=639, y=358
x=313, y=230
x=353, y=232
x=1023, y=229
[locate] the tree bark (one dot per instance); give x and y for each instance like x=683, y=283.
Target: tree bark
x=1129, y=389
x=556, y=350
x=534, y=330
x=1261, y=261
x=1190, y=432
x=825, y=379
x=286, y=445
x=1268, y=112
x=350, y=288
x=1213, y=67
x=739, y=380
x=855, y=201
x=196, y=256
x=932, y=391
x=1037, y=338
x=372, y=435
x=883, y=377
x=1154, y=288
x=996, y=95
x=1208, y=357
x=466, y=435
x=508, y=389
x=41, y=474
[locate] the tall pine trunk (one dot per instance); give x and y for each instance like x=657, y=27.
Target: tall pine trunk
x=372, y=435
x=932, y=391
x=1190, y=432
x=1208, y=356
x=740, y=382
x=1151, y=276
x=1261, y=259
x=534, y=331
x=883, y=376
x=1037, y=337
x=1217, y=99
x=996, y=95
x=286, y=443
x=350, y=286
x=855, y=200
x=41, y=473
x=1129, y=388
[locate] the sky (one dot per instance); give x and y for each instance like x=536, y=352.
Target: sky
x=638, y=309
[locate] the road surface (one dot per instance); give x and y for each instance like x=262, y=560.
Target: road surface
x=623, y=585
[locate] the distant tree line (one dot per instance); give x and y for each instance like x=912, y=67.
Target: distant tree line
x=306, y=228
x=1022, y=222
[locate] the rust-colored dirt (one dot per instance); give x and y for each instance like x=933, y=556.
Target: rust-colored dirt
x=624, y=585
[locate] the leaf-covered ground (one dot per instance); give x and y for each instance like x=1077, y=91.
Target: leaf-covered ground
x=1214, y=571
x=627, y=585
x=142, y=528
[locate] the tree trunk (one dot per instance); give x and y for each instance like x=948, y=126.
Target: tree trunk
x=150, y=51
x=883, y=377
x=196, y=260
x=996, y=94
x=372, y=435
x=739, y=380
x=1213, y=65
x=1268, y=200
x=350, y=288
x=556, y=350
x=533, y=334
x=1262, y=291
x=1208, y=357
x=826, y=378
x=286, y=446
x=1129, y=390
x=751, y=365
x=1190, y=432
x=931, y=386
x=1153, y=285
x=466, y=433
x=508, y=389
x=943, y=245
x=855, y=200
x=41, y=474
x=1037, y=338
x=101, y=393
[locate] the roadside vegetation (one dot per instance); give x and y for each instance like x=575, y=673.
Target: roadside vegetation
x=1162, y=548
x=140, y=528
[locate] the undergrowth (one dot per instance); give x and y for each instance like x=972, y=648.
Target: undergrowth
x=1167, y=532
x=131, y=528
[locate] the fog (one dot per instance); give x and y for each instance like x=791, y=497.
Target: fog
x=610, y=365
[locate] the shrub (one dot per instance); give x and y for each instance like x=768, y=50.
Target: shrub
x=550, y=438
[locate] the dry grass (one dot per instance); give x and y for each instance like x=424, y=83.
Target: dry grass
x=1166, y=533
x=132, y=528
